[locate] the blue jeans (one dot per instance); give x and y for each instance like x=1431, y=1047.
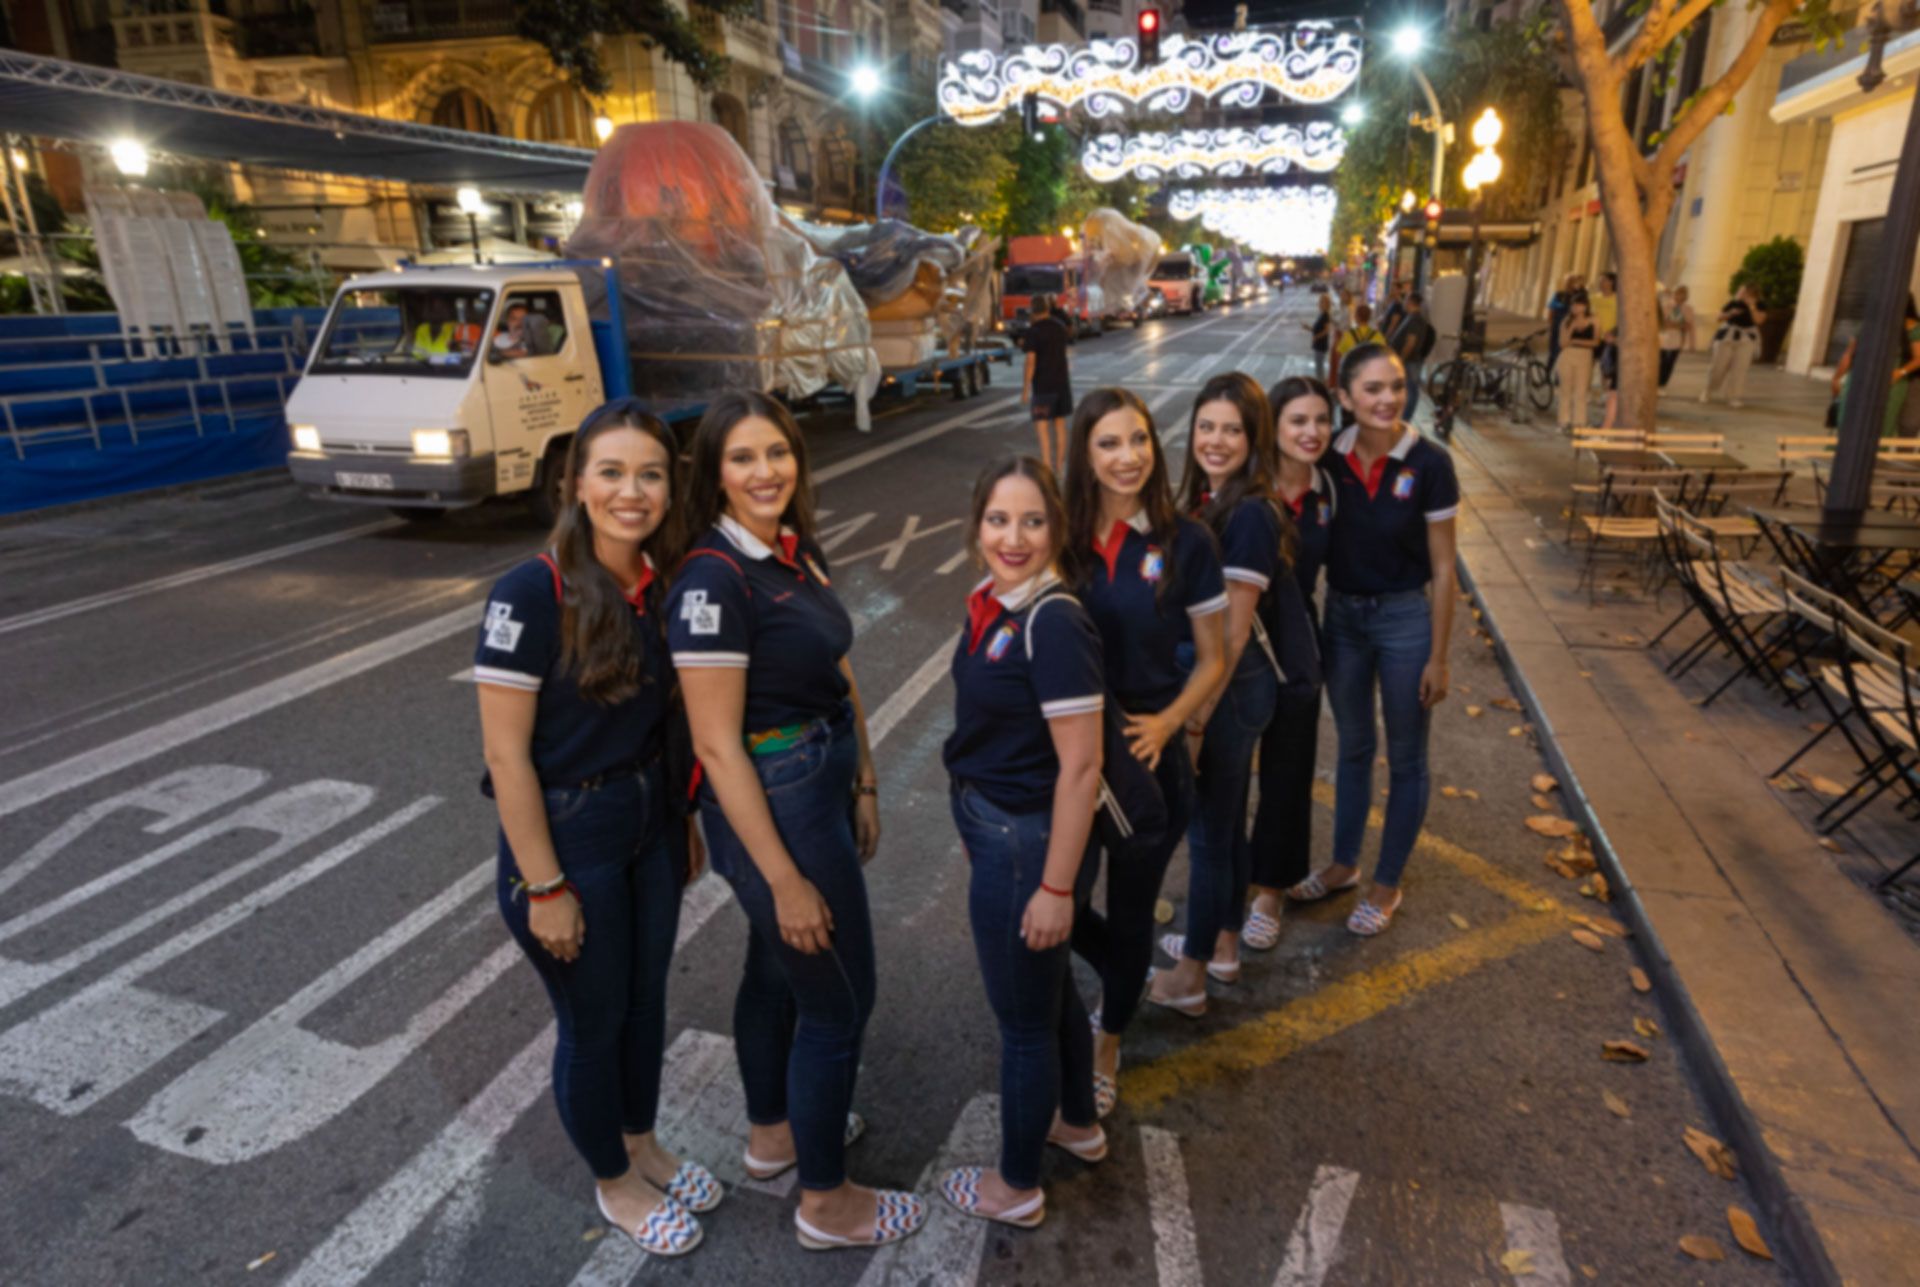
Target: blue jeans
x=1283, y=822
x=610, y=1002
x=798, y=1018
x=1219, y=855
x=1378, y=641
x=1119, y=945
x=1046, y=1050
x=1413, y=389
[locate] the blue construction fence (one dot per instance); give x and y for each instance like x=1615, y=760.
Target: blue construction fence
x=84, y=414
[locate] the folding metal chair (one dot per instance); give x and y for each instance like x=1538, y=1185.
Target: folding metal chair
x=1737, y=602
x=1885, y=691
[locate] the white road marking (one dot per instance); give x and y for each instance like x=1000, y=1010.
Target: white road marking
x=957, y=561
x=293, y=817
x=1533, y=1230
x=72, y=1055
x=901, y=701
x=841, y=468
x=1176, y=1250
x=136, y=748
x=1315, y=1242
x=73, y=607
x=946, y=1252
x=910, y=531
x=276, y=1082
x=832, y=538
x=178, y=798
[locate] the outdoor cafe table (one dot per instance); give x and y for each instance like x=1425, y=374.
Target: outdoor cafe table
x=1704, y=462
x=1841, y=554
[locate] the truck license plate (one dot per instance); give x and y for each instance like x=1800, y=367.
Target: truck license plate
x=364, y=482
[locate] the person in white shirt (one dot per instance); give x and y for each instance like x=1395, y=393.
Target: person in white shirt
x=1676, y=330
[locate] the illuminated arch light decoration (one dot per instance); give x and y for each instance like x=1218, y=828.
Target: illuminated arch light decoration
x=1309, y=62
x=1192, y=154
x=1269, y=221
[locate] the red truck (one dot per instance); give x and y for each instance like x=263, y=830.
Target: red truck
x=1047, y=266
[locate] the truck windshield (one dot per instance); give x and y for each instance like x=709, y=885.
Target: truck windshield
x=1174, y=268
x=404, y=330
x=1031, y=280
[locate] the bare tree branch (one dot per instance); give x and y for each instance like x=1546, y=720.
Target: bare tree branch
x=1711, y=101
x=1648, y=40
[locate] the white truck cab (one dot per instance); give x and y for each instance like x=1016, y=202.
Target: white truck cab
x=434, y=388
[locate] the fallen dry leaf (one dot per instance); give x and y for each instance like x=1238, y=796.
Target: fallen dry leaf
x=1546, y=824
x=1645, y=1026
x=1784, y=782
x=1615, y=1105
x=1545, y=782
x=1825, y=785
x=1589, y=1271
x=1469, y=793
x=1586, y=674
x=1459, y=921
x=1520, y=1107
x=1638, y=977
x=1506, y=704
x=1747, y=1233
x=1475, y=712
x=1624, y=1052
x=1561, y=868
x=258, y=1261
x=1626, y=639
x=1831, y=845
x=1516, y=730
x=1701, y=1247
x=1589, y=940
x=1691, y=736
x=1163, y=912
x=1450, y=791
x=1518, y=1262
x=1540, y=801
x=1715, y=1156
x=1612, y=929
x=593, y=1235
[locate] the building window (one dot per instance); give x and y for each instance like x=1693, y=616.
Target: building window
x=561, y=115
x=462, y=109
x=836, y=152
x=795, y=155
x=731, y=116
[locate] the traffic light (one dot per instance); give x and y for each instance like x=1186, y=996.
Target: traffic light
x=1149, y=37
x=1030, y=114
x=1433, y=211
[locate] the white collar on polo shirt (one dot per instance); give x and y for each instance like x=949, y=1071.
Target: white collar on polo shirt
x=746, y=542
x=1026, y=592
x=1401, y=449
x=1140, y=522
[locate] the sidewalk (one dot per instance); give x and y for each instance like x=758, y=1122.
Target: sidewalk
x=1791, y=985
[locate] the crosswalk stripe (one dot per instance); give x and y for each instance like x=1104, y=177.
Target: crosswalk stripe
x=1176, y=1249
x=946, y=1252
x=1315, y=1241
x=1536, y=1232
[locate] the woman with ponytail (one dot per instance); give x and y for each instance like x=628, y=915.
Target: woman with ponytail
x=575, y=697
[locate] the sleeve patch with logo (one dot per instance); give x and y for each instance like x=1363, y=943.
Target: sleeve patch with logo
x=702, y=618
x=503, y=632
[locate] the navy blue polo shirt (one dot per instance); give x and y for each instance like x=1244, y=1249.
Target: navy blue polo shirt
x=1380, y=522
x=1000, y=743
x=1250, y=554
x=574, y=739
x=1139, y=630
x=1312, y=531
x=737, y=604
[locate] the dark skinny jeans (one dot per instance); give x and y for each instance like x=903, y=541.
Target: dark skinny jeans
x=1219, y=853
x=1283, y=820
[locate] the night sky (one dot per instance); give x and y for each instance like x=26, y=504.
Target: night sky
x=1377, y=14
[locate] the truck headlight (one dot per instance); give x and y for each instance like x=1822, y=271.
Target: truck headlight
x=306, y=438
x=440, y=444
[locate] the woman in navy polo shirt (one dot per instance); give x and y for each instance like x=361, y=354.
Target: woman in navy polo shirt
x=1390, y=592
x=574, y=686
x=1024, y=758
x=1144, y=572
x=1228, y=485
x=1283, y=820
x=789, y=804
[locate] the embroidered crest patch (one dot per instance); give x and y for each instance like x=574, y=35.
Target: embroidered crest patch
x=1153, y=565
x=503, y=632
x=1403, y=485
x=702, y=618
x=1001, y=641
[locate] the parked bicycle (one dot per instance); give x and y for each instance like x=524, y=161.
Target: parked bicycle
x=1513, y=378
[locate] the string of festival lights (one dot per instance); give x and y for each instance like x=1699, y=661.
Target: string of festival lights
x=1295, y=221
x=1318, y=146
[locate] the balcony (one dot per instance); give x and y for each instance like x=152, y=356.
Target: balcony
x=392, y=21
x=746, y=39
x=278, y=35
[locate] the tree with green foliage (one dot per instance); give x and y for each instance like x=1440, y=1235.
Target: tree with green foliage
x=955, y=175
x=276, y=277
x=571, y=32
x=1509, y=67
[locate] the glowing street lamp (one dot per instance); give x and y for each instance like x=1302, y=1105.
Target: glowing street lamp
x=471, y=205
x=865, y=81
x=1353, y=113
x=1483, y=170
x=129, y=157
x=1408, y=201
x=603, y=127
x=1409, y=40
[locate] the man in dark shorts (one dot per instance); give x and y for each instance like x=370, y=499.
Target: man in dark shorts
x=1047, y=386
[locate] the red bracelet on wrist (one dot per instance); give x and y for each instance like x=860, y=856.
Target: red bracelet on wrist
x=565, y=887
x=1045, y=888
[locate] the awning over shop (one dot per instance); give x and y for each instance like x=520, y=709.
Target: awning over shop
x=51, y=98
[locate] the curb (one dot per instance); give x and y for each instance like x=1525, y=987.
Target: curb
x=1804, y=1255
x=268, y=475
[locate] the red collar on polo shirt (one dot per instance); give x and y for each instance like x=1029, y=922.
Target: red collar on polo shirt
x=984, y=606
x=1109, y=549
x=638, y=596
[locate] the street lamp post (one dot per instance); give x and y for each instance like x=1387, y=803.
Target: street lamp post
x=866, y=84
x=1408, y=41
x=472, y=205
x=886, y=166
x=1482, y=170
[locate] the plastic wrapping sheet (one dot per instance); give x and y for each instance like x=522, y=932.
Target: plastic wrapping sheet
x=1123, y=254
x=888, y=259
x=972, y=290
x=716, y=293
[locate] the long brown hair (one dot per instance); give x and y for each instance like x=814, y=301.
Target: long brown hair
x=596, y=635
x=1034, y=470
x=706, y=498
x=1258, y=475
x=1083, y=489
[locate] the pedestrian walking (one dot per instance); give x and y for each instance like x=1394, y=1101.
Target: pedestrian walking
x=1323, y=331
x=1557, y=313
x=1228, y=484
x=1605, y=303
x=789, y=803
x=1048, y=383
x=1735, y=340
x=1024, y=762
x=1390, y=600
x=1901, y=419
x=1396, y=308
x=1676, y=330
x=1573, y=371
x=1361, y=332
x=574, y=691
x=1144, y=573
x=1413, y=340
x=1283, y=820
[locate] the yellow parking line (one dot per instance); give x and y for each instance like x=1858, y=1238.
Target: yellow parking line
x=1332, y=1010
x=1516, y=891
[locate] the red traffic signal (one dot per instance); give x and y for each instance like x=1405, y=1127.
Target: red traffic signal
x=1149, y=33
x=1433, y=210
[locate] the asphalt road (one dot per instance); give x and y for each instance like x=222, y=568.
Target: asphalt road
x=259, y=1021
